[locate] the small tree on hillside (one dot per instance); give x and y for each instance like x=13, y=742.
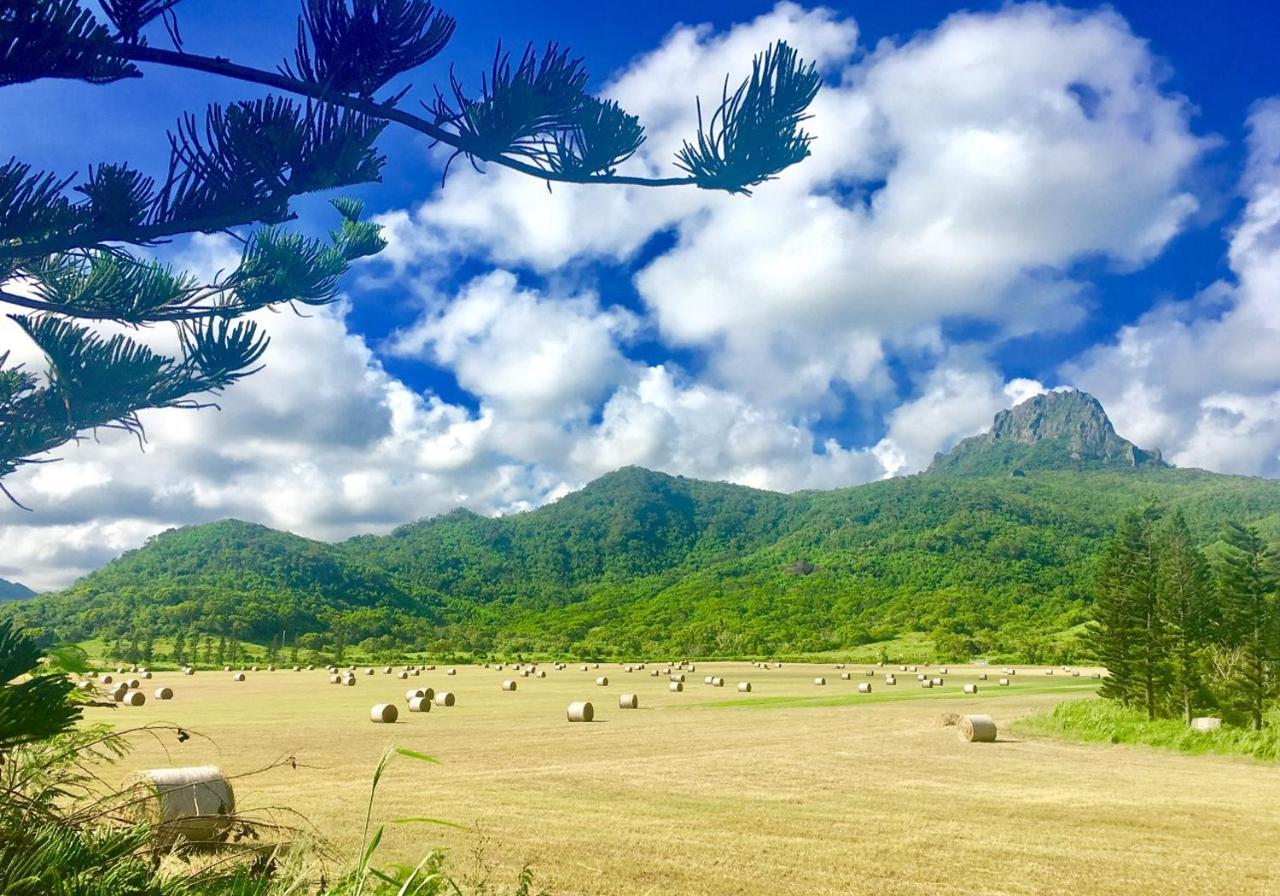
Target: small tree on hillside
x=65, y=260
x=1247, y=582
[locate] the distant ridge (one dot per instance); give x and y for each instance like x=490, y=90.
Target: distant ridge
x=1054, y=430
x=14, y=591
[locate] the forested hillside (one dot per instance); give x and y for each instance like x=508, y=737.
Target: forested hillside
x=993, y=555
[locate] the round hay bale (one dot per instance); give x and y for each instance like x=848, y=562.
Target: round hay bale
x=239, y=676
x=164, y=693
x=420, y=704
x=937, y=682
x=1075, y=674
x=942, y=671
x=1004, y=682
x=146, y=674
x=133, y=684
x=911, y=668
x=416, y=673
x=870, y=673
x=921, y=677
x=586, y=668
x=414, y=694
x=839, y=665
x=524, y=673
x=349, y=681
x=902, y=668
x=949, y=719
x=384, y=713
x=627, y=669
x=451, y=672
x=429, y=693
x=254, y=669
x=335, y=679
x=977, y=729
x=890, y=680
x=134, y=698
x=655, y=674
x=1096, y=675
x=541, y=673
x=676, y=686
x=717, y=681
x=188, y=671
x=1206, y=723
x=581, y=711
x=971, y=689
x=744, y=687
x=445, y=698
x=864, y=687
x=106, y=679
x=819, y=680
x=982, y=676
x=845, y=676
x=386, y=670
x=368, y=671
x=602, y=681
x=118, y=692
x=926, y=683
x=508, y=685
x=431, y=668
x=679, y=677
x=628, y=701
x=402, y=675
x=193, y=805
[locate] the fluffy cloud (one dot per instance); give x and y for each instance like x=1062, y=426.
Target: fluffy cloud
x=1200, y=378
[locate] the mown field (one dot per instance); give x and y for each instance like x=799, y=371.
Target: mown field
x=792, y=789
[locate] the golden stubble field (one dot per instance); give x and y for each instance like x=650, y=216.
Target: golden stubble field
x=792, y=789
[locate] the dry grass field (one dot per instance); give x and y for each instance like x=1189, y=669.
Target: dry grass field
x=791, y=789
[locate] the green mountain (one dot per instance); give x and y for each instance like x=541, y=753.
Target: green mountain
x=14, y=591
x=990, y=551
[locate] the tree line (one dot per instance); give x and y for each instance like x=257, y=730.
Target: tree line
x=1183, y=630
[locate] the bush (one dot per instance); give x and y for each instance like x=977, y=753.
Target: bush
x=1104, y=721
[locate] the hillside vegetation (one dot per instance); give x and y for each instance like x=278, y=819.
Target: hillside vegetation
x=984, y=560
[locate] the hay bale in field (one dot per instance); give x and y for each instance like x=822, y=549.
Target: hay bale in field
x=1206, y=723
x=254, y=669
x=1096, y=675
x=118, y=692
x=420, y=704
x=927, y=683
x=864, y=687
x=146, y=674
x=239, y=676
x=581, y=711
x=189, y=805
x=524, y=673
x=384, y=713
x=445, y=698
x=982, y=676
x=450, y=671
x=678, y=677
x=602, y=681
x=133, y=684
x=890, y=680
x=655, y=674
x=106, y=679
x=937, y=682
x=628, y=701
x=1075, y=674
x=902, y=668
x=971, y=689
x=431, y=668
x=717, y=681
x=188, y=671
x=508, y=685
x=627, y=669
x=911, y=668
x=845, y=676
x=870, y=673
x=429, y=693
x=368, y=671
x=1004, y=682
x=413, y=694
x=949, y=719
x=335, y=679
x=921, y=677
x=977, y=729
x=942, y=671
x=744, y=687
x=706, y=679
x=676, y=686
x=541, y=673
x=839, y=665
x=164, y=693
x=415, y=673
x=819, y=681
x=386, y=670
x=134, y=698
x=403, y=676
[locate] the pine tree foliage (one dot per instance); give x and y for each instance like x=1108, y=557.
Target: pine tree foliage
x=1247, y=581
x=67, y=244
x=1187, y=607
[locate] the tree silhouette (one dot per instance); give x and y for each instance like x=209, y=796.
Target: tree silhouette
x=66, y=243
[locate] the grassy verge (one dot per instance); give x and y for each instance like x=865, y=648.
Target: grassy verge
x=1103, y=721
x=883, y=696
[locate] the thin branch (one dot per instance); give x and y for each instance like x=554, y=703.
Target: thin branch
x=383, y=111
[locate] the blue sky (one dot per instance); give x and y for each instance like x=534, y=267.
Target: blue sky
x=1009, y=198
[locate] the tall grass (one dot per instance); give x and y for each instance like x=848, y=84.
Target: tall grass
x=1105, y=721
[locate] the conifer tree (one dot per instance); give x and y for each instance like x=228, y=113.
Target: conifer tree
x=68, y=246
x=1247, y=582
x=1186, y=607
